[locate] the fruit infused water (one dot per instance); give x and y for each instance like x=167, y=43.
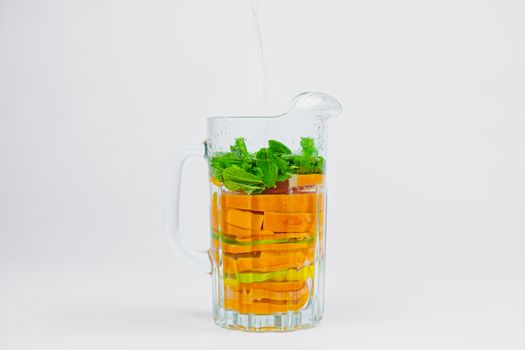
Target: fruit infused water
x=268, y=208
x=267, y=228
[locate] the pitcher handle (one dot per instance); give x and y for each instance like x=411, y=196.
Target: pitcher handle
x=196, y=257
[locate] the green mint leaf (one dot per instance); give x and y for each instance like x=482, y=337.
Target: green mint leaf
x=308, y=146
x=300, y=164
x=284, y=172
x=267, y=166
x=237, y=174
x=278, y=148
x=221, y=161
x=238, y=179
x=248, y=189
x=239, y=148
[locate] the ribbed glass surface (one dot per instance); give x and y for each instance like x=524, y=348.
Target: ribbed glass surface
x=268, y=254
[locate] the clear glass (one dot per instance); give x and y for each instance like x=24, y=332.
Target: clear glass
x=267, y=253
x=268, y=249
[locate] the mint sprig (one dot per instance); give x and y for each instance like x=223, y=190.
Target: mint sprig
x=252, y=173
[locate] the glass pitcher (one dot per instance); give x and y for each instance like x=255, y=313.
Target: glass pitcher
x=267, y=215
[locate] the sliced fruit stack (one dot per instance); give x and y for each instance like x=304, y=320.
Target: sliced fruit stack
x=268, y=245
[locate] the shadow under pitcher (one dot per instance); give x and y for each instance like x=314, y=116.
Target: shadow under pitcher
x=267, y=215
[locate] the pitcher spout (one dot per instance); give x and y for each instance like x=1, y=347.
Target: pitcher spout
x=313, y=105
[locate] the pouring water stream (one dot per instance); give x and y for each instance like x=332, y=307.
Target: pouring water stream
x=258, y=59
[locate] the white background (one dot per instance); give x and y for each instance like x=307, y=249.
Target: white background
x=426, y=167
